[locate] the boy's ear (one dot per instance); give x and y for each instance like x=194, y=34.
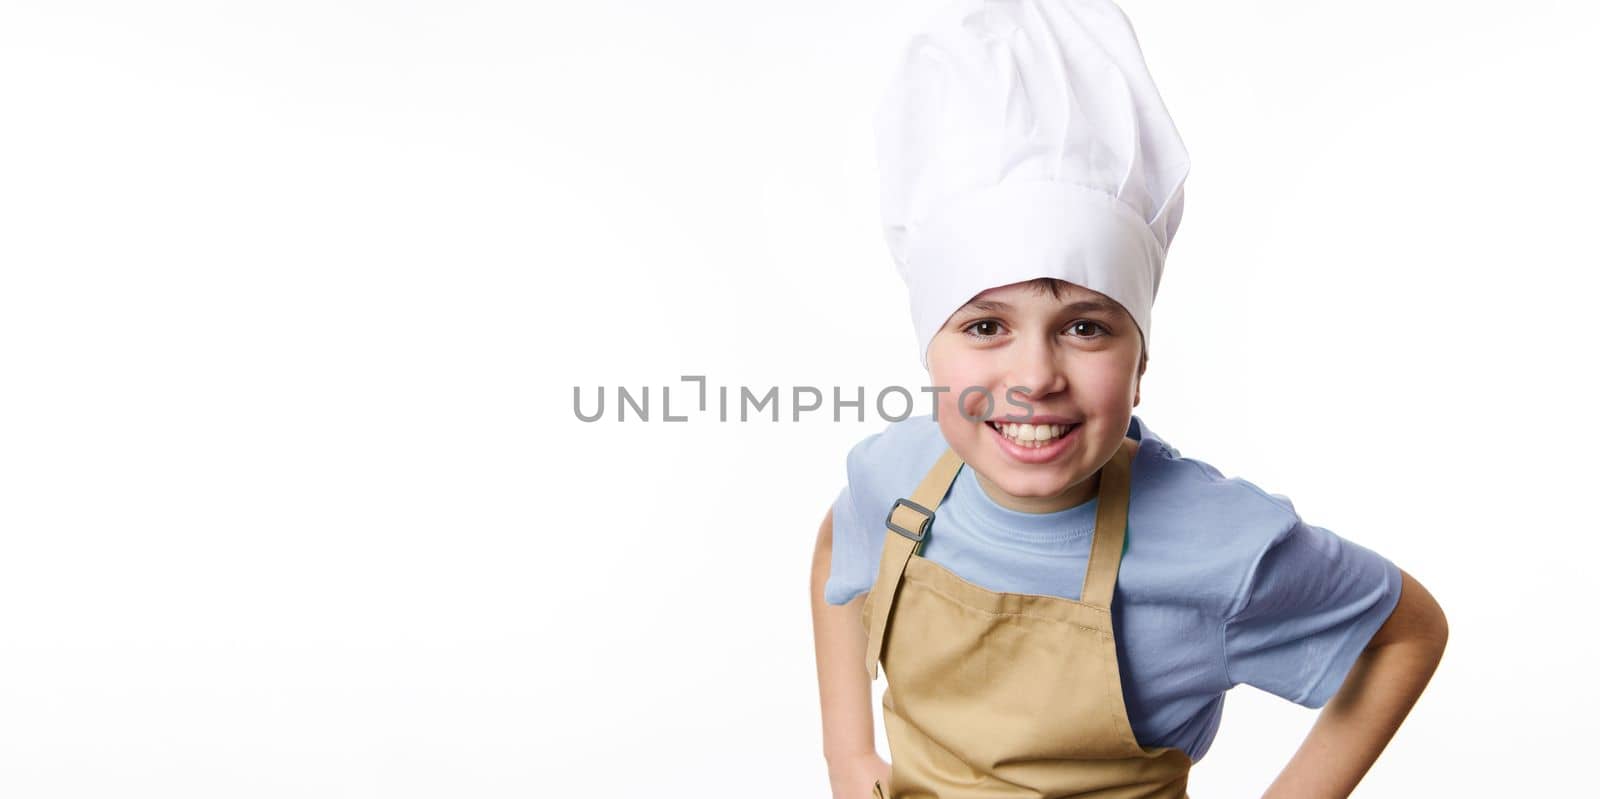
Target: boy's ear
x=1138, y=380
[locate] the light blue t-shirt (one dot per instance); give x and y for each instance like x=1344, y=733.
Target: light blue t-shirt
x=1222, y=583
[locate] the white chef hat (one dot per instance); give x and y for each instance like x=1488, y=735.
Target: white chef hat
x=1021, y=139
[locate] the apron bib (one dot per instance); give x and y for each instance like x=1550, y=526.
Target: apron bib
x=996, y=695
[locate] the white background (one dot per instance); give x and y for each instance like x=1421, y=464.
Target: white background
x=294, y=296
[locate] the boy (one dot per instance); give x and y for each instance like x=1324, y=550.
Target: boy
x=1032, y=186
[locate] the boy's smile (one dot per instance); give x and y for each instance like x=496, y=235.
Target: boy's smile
x=1036, y=439
x=1043, y=376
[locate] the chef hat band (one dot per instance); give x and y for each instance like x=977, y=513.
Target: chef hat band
x=1022, y=139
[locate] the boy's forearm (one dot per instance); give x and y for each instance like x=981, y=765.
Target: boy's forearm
x=841, y=648
x=1374, y=699
x=1357, y=723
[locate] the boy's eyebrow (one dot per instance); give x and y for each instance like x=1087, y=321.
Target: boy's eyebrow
x=1080, y=306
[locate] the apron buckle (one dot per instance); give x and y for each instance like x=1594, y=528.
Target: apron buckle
x=922, y=529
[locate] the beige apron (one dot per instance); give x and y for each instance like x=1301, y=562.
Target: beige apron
x=997, y=695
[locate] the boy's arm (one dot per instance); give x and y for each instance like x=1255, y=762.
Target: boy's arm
x=1374, y=698
x=846, y=693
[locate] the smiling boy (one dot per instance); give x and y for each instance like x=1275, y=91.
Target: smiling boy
x=1220, y=584
x=1030, y=342
x=1059, y=599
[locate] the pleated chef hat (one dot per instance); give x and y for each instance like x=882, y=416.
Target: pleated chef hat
x=1021, y=139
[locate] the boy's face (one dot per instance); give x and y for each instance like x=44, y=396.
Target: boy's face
x=1079, y=359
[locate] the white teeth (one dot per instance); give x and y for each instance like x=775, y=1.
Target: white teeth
x=1031, y=435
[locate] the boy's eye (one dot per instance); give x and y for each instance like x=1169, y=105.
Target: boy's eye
x=1088, y=323
x=983, y=328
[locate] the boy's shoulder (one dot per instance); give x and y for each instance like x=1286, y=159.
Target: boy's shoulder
x=1174, y=471
x=891, y=462
x=1195, y=534
x=1198, y=506
x=1187, y=496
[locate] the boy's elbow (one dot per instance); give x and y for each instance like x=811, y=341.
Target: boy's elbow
x=1441, y=635
x=1433, y=635
x=1417, y=620
x=1434, y=630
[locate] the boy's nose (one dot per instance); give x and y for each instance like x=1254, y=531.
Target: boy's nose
x=1033, y=366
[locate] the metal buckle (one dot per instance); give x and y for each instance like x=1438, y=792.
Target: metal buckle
x=922, y=529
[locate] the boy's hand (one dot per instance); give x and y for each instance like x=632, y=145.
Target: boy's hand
x=852, y=777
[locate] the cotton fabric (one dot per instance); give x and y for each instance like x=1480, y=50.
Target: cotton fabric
x=1024, y=139
x=1222, y=582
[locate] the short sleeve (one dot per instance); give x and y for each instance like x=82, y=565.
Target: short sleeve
x=1310, y=606
x=877, y=469
x=849, y=572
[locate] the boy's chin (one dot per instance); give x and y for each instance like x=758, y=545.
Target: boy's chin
x=1030, y=486
x=1031, y=480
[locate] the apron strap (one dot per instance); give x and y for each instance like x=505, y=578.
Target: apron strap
x=1110, y=527
x=908, y=524
x=909, y=520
